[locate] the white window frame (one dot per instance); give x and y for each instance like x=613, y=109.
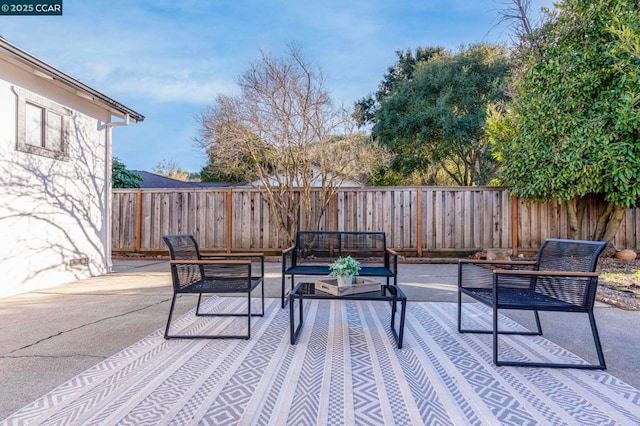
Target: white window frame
x=24, y=97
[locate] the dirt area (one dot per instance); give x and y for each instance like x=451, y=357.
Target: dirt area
x=619, y=282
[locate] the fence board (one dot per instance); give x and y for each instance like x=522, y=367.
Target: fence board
x=636, y=214
x=428, y=222
x=458, y=224
x=486, y=220
x=467, y=201
x=534, y=210
x=406, y=219
x=476, y=218
x=452, y=218
x=506, y=240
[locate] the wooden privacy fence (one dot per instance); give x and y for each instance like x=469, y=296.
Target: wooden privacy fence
x=423, y=221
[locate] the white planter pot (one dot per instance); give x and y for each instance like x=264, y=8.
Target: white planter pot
x=345, y=280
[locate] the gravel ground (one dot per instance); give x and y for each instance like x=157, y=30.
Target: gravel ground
x=619, y=282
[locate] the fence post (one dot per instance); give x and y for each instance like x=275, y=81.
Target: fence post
x=514, y=224
x=138, y=236
x=419, y=220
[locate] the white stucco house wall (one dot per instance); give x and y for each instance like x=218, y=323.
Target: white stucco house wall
x=55, y=174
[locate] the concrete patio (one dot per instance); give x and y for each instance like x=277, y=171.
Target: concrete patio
x=50, y=336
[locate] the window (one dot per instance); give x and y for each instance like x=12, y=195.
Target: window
x=42, y=126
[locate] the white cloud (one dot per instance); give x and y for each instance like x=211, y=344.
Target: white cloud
x=166, y=89
x=164, y=56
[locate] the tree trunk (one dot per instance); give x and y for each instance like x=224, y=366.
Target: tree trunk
x=582, y=203
x=603, y=221
x=574, y=226
x=614, y=222
x=608, y=221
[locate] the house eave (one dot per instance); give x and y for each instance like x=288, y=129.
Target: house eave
x=44, y=70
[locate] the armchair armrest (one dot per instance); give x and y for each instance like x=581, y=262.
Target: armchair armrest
x=287, y=250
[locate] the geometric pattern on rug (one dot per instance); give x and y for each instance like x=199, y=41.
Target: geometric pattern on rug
x=344, y=370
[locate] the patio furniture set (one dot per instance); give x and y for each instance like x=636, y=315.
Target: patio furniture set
x=562, y=278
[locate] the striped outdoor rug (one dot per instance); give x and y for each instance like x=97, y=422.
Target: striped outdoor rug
x=345, y=370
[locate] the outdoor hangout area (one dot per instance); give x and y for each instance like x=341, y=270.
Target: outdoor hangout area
x=399, y=354
x=365, y=213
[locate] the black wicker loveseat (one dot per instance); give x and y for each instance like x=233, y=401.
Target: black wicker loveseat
x=562, y=279
x=313, y=251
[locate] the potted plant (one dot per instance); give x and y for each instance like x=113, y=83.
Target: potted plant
x=344, y=269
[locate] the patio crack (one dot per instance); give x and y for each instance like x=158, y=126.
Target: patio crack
x=51, y=356
x=44, y=339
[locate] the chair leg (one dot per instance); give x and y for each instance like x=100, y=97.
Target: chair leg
x=460, y=312
x=537, y=317
x=384, y=289
x=469, y=330
x=596, y=338
x=249, y=315
x=173, y=304
x=282, y=292
x=538, y=331
x=495, y=335
x=198, y=305
x=262, y=296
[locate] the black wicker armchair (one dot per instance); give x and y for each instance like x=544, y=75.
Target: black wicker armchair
x=193, y=272
x=563, y=278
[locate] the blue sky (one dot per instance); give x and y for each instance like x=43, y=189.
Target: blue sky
x=169, y=59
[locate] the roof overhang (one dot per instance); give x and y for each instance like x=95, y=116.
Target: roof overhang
x=44, y=70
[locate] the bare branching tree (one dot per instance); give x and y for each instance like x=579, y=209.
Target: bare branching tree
x=284, y=131
x=522, y=26
x=516, y=14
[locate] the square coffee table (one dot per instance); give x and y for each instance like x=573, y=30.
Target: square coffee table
x=387, y=293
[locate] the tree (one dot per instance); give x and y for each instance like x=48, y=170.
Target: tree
x=225, y=168
x=283, y=130
x=401, y=71
x=123, y=178
x=436, y=118
x=572, y=131
x=170, y=169
x=517, y=15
